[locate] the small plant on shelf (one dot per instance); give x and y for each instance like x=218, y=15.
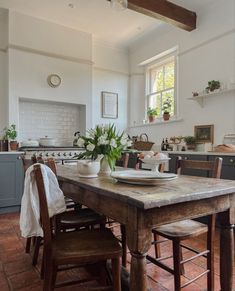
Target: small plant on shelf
x=152, y=114
x=11, y=135
x=212, y=86
x=190, y=142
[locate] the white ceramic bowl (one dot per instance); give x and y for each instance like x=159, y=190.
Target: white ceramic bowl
x=88, y=168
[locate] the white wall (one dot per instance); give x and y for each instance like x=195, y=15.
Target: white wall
x=3, y=69
x=38, y=48
x=110, y=74
x=3, y=92
x=204, y=54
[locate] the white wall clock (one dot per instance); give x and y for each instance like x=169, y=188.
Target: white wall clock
x=54, y=80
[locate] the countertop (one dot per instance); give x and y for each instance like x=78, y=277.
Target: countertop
x=199, y=153
x=12, y=153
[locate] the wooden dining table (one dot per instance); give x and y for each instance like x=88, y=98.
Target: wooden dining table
x=140, y=208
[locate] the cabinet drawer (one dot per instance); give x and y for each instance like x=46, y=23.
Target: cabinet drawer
x=227, y=160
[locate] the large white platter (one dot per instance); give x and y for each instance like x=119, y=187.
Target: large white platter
x=143, y=177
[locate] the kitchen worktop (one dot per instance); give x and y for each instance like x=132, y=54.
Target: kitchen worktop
x=12, y=153
x=200, y=153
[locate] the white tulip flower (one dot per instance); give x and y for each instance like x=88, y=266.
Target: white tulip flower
x=113, y=143
x=90, y=147
x=81, y=142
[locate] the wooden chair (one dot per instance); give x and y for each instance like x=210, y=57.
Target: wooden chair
x=75, y=247
x=72, y=219
x=187, y=229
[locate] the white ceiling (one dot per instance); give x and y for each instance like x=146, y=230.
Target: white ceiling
x=118, y=28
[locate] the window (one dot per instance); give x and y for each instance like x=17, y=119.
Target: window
x=160, y=85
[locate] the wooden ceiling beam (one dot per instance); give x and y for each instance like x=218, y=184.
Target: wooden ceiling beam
x=166, y=11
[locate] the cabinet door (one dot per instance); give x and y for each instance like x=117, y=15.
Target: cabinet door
x=11, y=180
x=228, y=166
x=200, y=173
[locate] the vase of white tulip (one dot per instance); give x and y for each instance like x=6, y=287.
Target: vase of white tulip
x=106, y=141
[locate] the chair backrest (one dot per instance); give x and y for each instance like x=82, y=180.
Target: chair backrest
x=123, y=162
x=44, y=215
x=214, y=167
x=50, y=162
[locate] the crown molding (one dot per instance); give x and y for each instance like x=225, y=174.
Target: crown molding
x=51, y=55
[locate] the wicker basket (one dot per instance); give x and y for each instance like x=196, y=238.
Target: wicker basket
x=143, y=145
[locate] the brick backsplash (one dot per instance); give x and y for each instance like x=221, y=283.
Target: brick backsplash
x=40, y=119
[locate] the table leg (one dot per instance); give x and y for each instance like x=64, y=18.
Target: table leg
x=139, y=242
x=226, y=253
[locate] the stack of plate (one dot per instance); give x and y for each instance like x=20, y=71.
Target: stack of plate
x=143, y=177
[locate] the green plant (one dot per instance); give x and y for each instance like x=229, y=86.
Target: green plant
x=166, y=107
x=213, y=85
x=152, y=111
x=104, y=140
x=190, y=139
x=10, y=132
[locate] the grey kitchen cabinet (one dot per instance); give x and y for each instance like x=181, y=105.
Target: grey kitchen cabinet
x=185, y=156
x=11, y=182
x=228, y=166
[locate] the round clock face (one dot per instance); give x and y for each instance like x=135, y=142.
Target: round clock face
x=54, y=80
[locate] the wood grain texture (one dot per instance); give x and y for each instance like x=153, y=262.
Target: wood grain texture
x=182, y=189
x=140, y=208
x=166, y=11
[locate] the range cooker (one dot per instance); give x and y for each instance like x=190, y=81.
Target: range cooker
x=60, y=154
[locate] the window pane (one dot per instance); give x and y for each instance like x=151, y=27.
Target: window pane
x=154, y=102
x=168, y=102
x=156, y=80
x=169, y=75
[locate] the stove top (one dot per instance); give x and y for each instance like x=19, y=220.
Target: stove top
x=41, y=148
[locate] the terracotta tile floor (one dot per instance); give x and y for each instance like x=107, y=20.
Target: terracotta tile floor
x=17, y=273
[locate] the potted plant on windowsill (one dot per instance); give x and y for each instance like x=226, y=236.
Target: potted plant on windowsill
x=190, y=142
x=152, y=114
x=166, y=108
x=11, y=134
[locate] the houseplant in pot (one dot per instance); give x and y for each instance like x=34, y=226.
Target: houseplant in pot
x=166, y=108
x=152, y=114
x=190, y=142
x=105, y=141
x=11, y=134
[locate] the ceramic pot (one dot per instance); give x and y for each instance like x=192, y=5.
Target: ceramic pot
x=88, y=168
x=191, y=146
x=47, y=141
x=166, y=116
x=104, y=167
x=13, y=145
x=151, y=118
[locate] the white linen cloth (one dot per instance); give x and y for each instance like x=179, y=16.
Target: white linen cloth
x=30, y=207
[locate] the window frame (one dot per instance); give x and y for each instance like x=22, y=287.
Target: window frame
x=157, y=64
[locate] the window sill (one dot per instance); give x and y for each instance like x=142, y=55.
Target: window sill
x=158, y=122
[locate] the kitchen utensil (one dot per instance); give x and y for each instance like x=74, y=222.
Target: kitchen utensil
x=29, y=143
x=47, y=141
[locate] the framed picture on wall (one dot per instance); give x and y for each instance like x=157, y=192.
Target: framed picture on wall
x=109, y=105
x=204, y=133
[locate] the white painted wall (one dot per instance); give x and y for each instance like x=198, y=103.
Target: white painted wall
x=110, y=74
x=3, y=70
x=38, y=48
x=204, y=54
x=3, y=92
x=34, y=33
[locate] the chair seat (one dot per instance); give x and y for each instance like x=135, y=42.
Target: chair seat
x=82, y=217
x=182, y=229
x=81, y=246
